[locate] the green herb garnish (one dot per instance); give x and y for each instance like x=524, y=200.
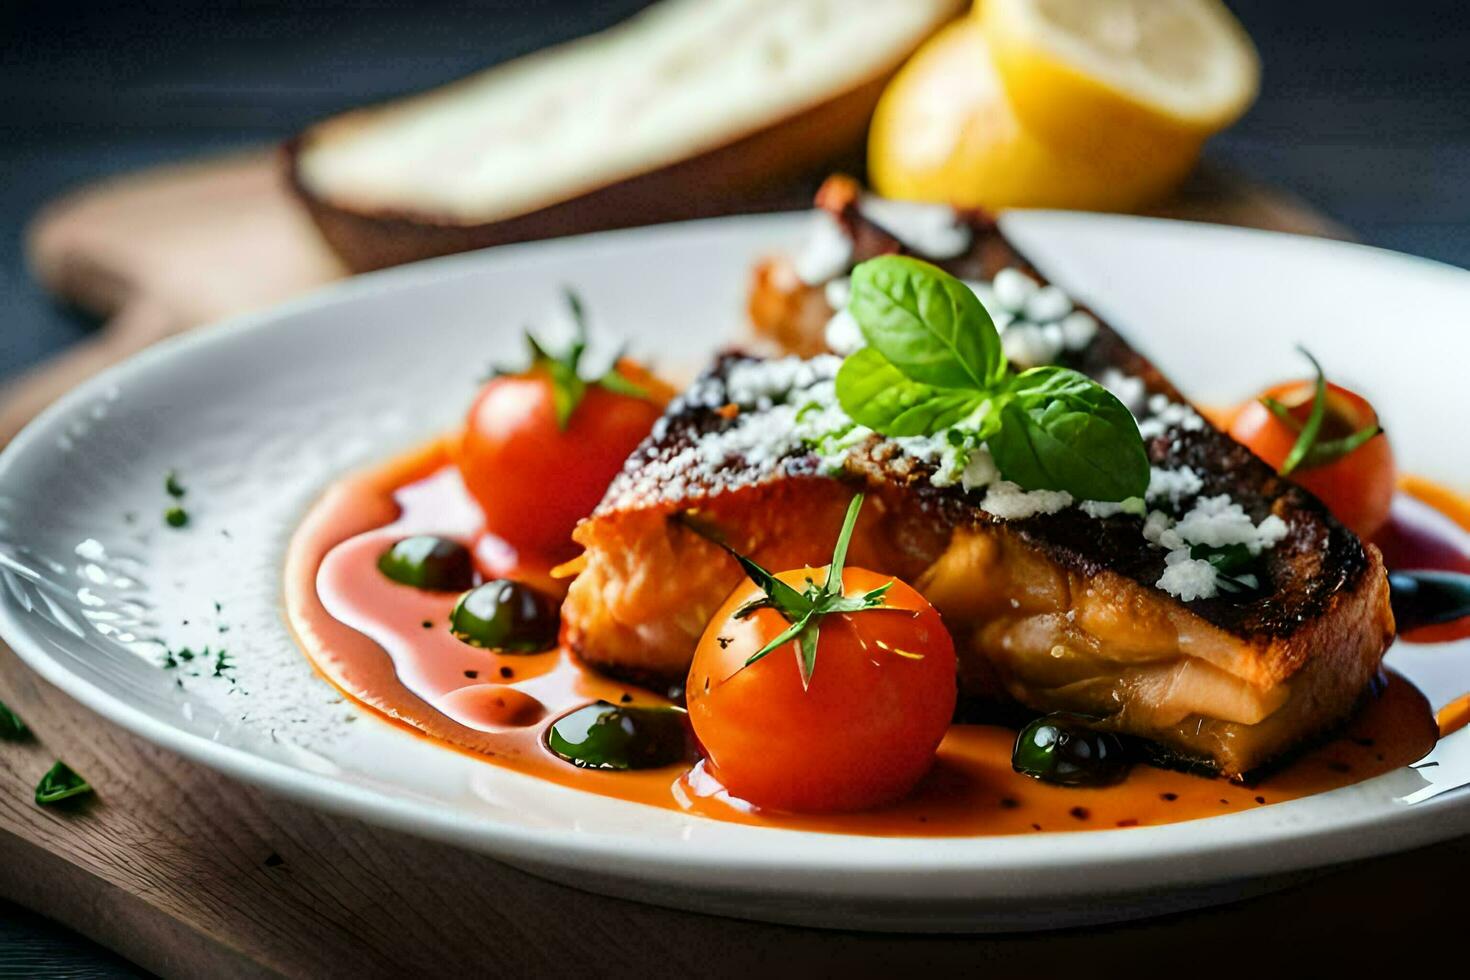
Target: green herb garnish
x=12, y=729
x=1310, y=449
x=568, y=387
x=60, y=783
x=171, y=484
x=176, y=516
x=934, y=362
x=804, y=609
x=1236, y=569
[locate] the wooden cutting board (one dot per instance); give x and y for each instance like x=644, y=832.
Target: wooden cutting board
x=191, y=874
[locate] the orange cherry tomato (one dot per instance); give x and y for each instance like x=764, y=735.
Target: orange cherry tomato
x=881, y=697
x=1358, y=487
x=534, y=480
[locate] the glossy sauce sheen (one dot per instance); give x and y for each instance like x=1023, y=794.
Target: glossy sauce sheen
x=388, y=647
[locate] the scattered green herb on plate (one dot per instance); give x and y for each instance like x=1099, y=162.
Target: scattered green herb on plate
x=176, y=516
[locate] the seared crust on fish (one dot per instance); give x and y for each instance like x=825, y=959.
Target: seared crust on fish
x=1056, y=611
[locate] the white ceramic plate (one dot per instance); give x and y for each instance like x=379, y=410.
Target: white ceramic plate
x=258, y=415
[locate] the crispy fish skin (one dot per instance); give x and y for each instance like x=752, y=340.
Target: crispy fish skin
x=1056, y=612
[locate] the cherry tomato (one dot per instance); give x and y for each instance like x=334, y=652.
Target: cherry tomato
x=533, y=479
x=1358, y=487
x=881, y=697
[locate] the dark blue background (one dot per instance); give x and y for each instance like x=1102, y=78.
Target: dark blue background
x=1365, y=113
x=1365, y=110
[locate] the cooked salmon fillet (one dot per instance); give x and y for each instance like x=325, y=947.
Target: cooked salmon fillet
x=1056, y=608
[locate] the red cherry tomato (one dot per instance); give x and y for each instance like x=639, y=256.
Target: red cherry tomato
x=1358, y=487
x=881, y=698
x=535, y=480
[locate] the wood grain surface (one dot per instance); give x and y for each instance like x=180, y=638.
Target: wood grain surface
x=189, y=874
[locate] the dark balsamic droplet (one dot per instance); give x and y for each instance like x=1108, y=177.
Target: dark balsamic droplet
x=472, y=674
x=1080, y=812
x=507, y=673
x=1168, y=797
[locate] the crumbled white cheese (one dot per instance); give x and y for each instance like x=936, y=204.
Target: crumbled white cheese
x=1047, y=305
x=948, y=450
x=1079, y=328
x=1027, y=345
x=1219, y=521
x=1007, y=501
x=934, y=231
x=1036, y=323
x=1172, y=485
x=1188, y=578
x=838, y=291
x=1156, y=525
x=759, y=384
x=1126, y=388
x=1012, y=288
x=1111, y=508
x=827, y=252
x=843, y=335
x=1165, y=415
x=1213, y=522
x=980, y=470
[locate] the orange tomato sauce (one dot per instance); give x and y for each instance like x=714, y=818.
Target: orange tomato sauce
x=389, y=649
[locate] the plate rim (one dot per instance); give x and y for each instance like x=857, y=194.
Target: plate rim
x=1159, y=856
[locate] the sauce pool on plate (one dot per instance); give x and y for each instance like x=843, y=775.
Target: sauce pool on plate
x=390, y=648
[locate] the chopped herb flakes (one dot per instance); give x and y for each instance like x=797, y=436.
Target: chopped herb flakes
x=172, y=485
x=217, y=663
x=176, y=517
x=61, y=783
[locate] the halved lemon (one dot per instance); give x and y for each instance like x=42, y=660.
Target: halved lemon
x=946, y=130
x=1122, y=79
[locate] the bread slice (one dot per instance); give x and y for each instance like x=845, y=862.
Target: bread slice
x=686, y=110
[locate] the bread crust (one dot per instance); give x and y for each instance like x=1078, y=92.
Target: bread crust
x=751, y=172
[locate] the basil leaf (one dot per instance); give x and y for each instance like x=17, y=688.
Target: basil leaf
x=876, y=394
x=927, y=323
x=1062, y=431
